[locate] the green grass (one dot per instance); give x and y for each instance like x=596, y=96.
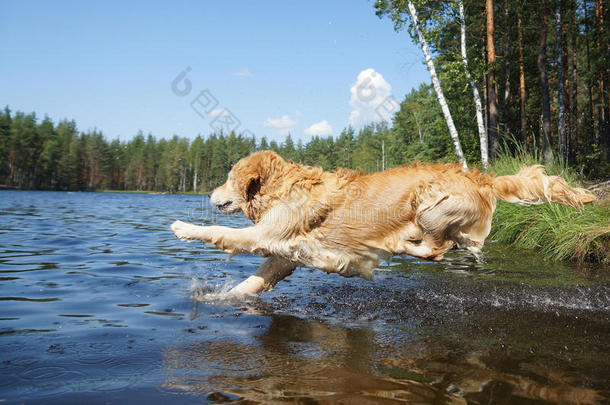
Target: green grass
x=559, y=232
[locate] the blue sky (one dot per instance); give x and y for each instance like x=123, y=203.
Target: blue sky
x=276, y=66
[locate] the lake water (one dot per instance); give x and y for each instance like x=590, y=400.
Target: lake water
x=100, y=303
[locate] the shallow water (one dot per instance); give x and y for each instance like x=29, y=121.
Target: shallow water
x=100, y=303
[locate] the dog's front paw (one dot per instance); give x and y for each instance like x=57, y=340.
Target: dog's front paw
x=184, y=231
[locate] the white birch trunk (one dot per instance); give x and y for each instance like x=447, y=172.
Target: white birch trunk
x=437, y=87
x=475, y=92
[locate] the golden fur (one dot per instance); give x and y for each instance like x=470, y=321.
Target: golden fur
x=345, y=222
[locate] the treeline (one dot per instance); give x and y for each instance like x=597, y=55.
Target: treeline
x=42, y=155
x=38, y=154
x=58, y=157
x=539, y=67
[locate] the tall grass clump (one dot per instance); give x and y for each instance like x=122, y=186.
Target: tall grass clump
x=559, y=232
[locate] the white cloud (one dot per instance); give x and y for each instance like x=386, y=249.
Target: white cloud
x=320, y=128
x=217, y=112
x=243, y=73
x=371, y=99
x=284, y=124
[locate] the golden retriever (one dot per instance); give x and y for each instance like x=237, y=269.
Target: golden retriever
x=345, y=222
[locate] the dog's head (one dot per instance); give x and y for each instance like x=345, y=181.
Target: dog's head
x=245, y=181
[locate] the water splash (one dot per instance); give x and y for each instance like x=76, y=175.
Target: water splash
x=203, y=290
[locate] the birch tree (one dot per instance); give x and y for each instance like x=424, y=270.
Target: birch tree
x=436, y=83
x=475, y=90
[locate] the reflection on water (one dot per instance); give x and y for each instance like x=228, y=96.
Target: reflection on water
x=100, y=303
x=293, y=359
x=296, y=359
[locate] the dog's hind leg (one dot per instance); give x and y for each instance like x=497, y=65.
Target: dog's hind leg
x=275, y=269
x=429, y=248
x=413, y=241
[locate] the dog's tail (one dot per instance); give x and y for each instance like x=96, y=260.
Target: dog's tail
x=532, y=186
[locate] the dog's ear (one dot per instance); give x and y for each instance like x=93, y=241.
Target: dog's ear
x=254, y=186
x=255, y=171
x=249, y=180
